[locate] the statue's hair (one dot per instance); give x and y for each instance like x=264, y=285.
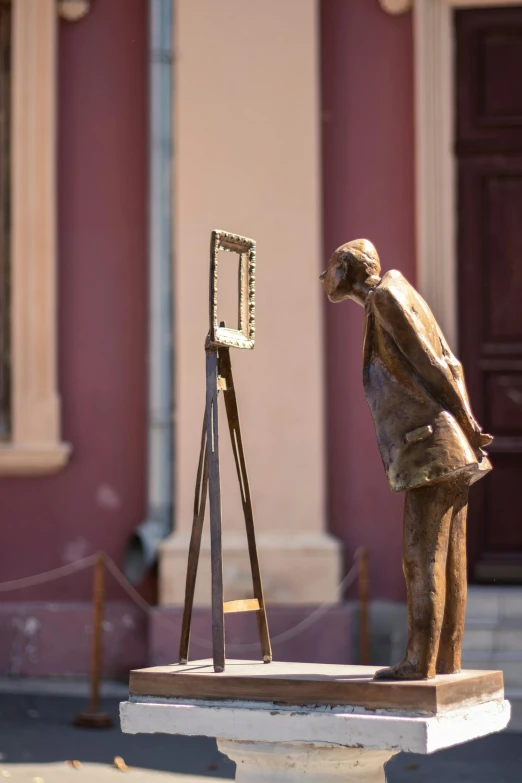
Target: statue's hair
x=360, y=253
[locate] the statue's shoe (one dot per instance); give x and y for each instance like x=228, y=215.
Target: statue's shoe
x=448, y=669
x=401, y=671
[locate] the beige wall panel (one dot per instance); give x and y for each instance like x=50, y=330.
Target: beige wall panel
x=247, y=153
x=246, y=148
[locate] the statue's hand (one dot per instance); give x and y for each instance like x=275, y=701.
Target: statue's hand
x=485, y=439
x=477, y=438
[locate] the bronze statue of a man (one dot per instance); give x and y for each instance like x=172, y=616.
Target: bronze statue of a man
x=431, y=446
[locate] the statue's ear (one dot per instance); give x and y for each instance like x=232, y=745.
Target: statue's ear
x=349, y=271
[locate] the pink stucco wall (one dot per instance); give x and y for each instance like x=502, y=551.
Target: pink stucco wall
x=367, y=110
x=98, y=499
x=368, y=180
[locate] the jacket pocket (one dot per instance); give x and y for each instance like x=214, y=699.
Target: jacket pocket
x=421, y=433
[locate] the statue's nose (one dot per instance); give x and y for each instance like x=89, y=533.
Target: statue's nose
x=322, y=277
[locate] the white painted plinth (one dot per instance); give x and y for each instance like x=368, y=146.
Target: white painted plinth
x=277, y=743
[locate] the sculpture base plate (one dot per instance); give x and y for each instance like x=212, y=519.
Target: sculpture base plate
x=303, y=684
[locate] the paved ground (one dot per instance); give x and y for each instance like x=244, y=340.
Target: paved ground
x=37, y=741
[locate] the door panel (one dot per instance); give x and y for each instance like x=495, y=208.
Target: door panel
x=501, y=99
x=504, y=402
x=503, y=534
x=489, y=64
x=489, y=155
x=503, y=211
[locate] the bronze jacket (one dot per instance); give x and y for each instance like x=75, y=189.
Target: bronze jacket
x=415, y=389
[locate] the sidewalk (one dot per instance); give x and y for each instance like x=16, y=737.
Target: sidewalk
x=37, y=740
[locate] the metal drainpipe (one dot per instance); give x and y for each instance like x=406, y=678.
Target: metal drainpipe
x=142, y=546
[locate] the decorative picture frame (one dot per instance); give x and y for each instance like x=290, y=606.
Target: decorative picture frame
x=244, y=336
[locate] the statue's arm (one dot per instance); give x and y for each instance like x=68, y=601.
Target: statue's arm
x=444, y=378
x=456, y=370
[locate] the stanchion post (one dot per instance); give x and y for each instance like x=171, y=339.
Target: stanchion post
x=93, y=718
x=364, y=596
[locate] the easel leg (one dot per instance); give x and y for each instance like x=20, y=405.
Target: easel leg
x=225, y=368
x=200, y=500
x=216, y=554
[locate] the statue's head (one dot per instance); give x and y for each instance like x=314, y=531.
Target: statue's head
x=353, y=271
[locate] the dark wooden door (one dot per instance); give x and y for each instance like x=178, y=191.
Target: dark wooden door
x=489, y=154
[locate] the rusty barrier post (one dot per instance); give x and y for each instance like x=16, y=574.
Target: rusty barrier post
x=364, y=595
x=93, y=718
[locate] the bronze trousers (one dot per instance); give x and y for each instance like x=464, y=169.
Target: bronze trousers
x=434, y=563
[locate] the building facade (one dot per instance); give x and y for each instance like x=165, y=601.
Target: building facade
x=302, y=124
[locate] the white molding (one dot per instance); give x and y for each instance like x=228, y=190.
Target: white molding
x=314, y=725
x=29, y=460
x=35, y=437
x=436, y=180
x=435, y=165
x=481, y=3
x=73, y=10
x=203, y=70
x=401, y=6
x=396, y=6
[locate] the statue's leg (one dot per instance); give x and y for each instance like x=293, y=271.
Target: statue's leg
x=428, y=513
x=450, y=647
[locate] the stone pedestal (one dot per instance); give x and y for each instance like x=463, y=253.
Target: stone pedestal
x=284, y=559
x=257, y=762
x=289, y=722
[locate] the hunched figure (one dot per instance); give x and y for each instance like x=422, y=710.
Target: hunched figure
x=431, y=447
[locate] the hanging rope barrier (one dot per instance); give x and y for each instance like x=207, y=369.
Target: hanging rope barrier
x=307, y=622
x=126, y=585
x=359, y=568
x=47, y=576
x=92, y=717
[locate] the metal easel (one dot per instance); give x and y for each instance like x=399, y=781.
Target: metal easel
x=219, y=378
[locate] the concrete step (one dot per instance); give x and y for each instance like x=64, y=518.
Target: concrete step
x=509, y=664
x=493, y=639
x=514, y=696
x=493, y=636
x=494, y=605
